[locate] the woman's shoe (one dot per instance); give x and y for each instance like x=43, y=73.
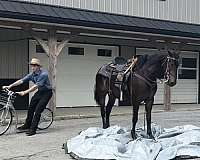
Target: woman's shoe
x=30, y=132
x=23, y=128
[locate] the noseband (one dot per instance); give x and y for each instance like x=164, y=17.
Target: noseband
x=167, y=70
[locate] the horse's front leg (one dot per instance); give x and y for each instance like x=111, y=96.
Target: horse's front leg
x=134, y=120
x=148, y=108
x=103, y=116
x=102, y=107
x=109, y=106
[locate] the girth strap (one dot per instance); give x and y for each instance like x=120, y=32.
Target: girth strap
x=145, y=80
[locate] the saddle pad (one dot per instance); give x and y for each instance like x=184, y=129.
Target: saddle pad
x=105, y=70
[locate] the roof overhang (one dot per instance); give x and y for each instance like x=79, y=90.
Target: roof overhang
x=17, y=20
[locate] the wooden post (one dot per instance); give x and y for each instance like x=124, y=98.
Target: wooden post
x=167, y=98
x=52, y=45
x=54, y=51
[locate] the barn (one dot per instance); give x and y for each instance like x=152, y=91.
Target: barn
x=89, y=33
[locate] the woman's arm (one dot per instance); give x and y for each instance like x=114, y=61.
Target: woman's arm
x=31, y=89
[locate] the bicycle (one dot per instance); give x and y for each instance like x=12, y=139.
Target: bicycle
x=8, y=112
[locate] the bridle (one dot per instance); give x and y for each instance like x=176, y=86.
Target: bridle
x=167, y=70
x=152, y=83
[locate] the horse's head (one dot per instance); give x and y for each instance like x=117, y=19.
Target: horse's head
x=170, y=66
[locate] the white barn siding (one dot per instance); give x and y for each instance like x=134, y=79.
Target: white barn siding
x=175, y=10
x=13, y=55
x=185, y=91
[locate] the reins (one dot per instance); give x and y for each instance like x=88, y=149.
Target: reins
x=167, y=73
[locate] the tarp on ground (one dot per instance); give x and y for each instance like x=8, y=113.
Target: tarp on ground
x=115, y=142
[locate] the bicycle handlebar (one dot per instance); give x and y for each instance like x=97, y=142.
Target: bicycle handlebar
x=6, y=90
x=9, y=92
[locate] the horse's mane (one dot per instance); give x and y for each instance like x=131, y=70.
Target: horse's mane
x=147, y=59
x=141, y=61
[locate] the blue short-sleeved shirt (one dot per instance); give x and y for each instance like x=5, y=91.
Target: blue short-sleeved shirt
x=39, y=78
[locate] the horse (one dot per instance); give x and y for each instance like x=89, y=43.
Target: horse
x=141, y=86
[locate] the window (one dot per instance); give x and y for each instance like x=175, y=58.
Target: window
x=186, y=74
x=104, y=52
x=189, y=62
x=188, y=68
x=75, y=51
x=39, y=49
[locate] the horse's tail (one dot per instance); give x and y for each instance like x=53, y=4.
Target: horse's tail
x=96, y=89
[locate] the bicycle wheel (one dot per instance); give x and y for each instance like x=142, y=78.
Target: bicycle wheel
x=46, y=119
x=6, y=118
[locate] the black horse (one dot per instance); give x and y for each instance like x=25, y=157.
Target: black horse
x=141, y=84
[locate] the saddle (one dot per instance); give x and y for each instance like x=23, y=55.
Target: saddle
x=117, y=71
x=122, y=67
x=118, y=66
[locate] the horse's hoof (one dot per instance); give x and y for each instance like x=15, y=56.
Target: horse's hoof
x=133, y=136
x=106, y=126
x=151, y=137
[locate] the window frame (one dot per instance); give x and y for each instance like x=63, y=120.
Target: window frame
x=39, y=49
x=81, y=48
x=187, y=68
x=104, y=54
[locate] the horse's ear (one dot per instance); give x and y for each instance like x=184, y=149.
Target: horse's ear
x=170, y=52
x=177, y=53
x=173, y=52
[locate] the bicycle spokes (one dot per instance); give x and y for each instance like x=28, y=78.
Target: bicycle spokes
x=4, y=113
x=46, y=119
x=5, y=120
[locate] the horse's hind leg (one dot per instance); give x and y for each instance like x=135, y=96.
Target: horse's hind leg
x=134, y=120
x=109, y=106
x=148, y=108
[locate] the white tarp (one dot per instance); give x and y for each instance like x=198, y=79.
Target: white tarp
x=116, y=143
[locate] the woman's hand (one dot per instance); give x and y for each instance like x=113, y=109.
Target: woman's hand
x=6, y=87
x=22, y=93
